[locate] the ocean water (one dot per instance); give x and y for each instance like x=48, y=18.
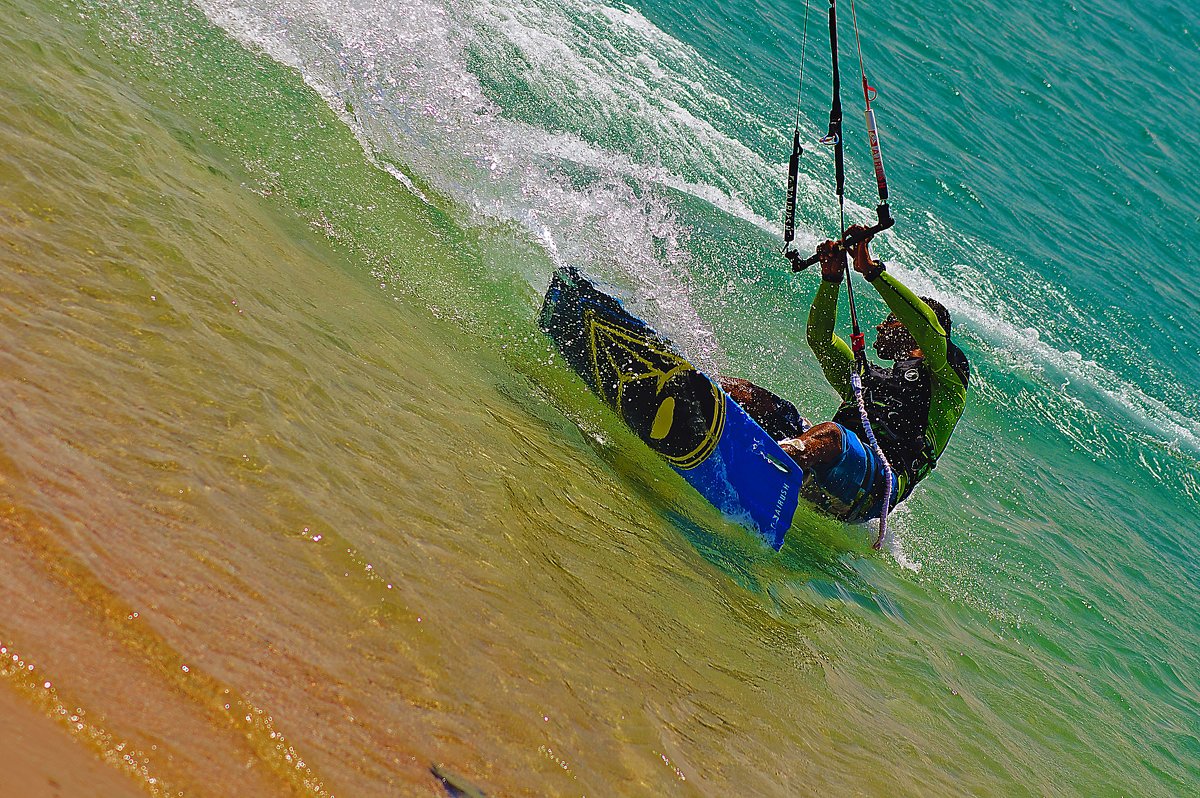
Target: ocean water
x=296, y=500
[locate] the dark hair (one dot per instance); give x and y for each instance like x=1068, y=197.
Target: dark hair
x=939, y=310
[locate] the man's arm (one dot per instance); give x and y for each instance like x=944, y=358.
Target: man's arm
x=834, y=355
x=917, y=317
x=948, y=394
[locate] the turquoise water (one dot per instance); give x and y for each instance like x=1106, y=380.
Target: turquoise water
x=1033, y=631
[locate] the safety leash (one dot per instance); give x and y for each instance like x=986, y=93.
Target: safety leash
x=885, y=508
x=833, y=138
x=858, y=344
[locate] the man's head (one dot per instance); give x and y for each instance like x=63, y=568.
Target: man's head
x=893, y=340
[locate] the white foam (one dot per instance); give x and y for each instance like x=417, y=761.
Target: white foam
x=407, y=182
x=893, y=541
x=397, y=72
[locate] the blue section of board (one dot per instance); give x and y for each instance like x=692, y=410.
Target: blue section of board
x=677, y=410
x=748, y=477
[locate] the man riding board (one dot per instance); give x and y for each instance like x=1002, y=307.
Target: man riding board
x=913, y=406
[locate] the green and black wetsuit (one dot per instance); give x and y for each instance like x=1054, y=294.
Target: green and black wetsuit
x=914, y=405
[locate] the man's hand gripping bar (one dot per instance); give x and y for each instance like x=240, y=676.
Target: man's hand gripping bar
x=885, y=221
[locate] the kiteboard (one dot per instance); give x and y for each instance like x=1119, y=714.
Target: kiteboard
x=677, y=410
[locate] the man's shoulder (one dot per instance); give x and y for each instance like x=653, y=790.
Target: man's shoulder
x=955, y=358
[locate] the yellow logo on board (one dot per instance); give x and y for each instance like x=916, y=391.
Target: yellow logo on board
x=674, y=408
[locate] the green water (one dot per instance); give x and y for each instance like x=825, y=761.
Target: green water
x=285, y=454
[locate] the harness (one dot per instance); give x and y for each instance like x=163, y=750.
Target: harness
x=897, y=400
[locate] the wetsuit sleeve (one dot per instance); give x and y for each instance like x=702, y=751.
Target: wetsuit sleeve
x=834, y=355
x=948, y=394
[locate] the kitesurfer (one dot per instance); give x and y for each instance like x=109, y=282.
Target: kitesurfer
x=913, y=406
